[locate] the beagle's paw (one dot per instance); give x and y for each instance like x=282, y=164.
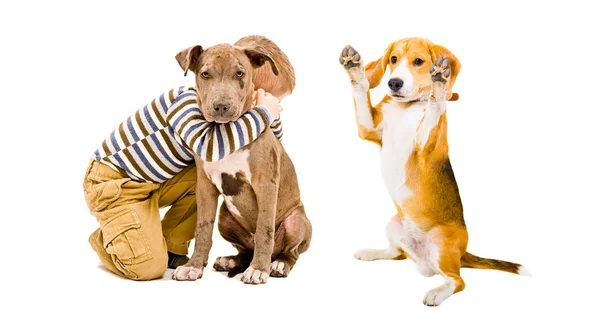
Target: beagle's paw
x=253, y=276
x=187, y=273
x=351, y=61
x=436, y=296
x=350, y=58
x=440, y=70
x=440, y=73
x=279, y=269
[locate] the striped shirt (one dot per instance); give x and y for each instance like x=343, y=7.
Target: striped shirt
x=159, y=140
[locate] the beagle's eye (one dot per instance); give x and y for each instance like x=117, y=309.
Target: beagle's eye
x=240, y=74
x=394, y=59
x=204, y=74
x=418, y=62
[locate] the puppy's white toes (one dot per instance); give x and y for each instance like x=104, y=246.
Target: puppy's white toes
x=253, y=276
x=278, y=269
x=224, y=264
x=184, y=273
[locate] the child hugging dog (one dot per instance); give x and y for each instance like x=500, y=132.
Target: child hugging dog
x=145, y=164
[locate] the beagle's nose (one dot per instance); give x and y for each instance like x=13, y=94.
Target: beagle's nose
x=395, y=84
x=221, y=106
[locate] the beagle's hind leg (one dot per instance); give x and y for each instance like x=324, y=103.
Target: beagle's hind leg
x=450, y=245
x=390, y=253
x=292, y=238
x=393, y=252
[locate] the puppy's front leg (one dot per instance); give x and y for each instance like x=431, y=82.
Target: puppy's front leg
x=266, y=186
x=206, y=200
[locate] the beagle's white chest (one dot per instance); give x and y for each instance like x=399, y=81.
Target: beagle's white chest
x=399, y=133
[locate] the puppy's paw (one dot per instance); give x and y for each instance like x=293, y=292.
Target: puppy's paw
x=350, y=58
x=187, y=273
x=254, y=276
x=279, y=269
x=440, y=70
x=225, y=263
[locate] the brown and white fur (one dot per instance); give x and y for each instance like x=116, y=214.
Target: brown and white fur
x=409, y=125
x=261, y=215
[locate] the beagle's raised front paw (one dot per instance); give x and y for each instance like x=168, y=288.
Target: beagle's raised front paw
x=440, y=73
x=350, y=58
x=351, y=61
x=253, y=276
x=440, y=70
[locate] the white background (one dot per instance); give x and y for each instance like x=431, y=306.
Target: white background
x=523, y=139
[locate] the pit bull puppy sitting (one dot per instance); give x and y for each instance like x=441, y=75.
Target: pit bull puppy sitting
x=261, y=215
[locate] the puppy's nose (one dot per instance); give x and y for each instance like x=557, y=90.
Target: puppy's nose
x=221, y=106
x=395, y=84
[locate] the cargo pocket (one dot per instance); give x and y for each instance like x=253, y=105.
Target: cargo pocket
x=101, y=195
x=123, y=237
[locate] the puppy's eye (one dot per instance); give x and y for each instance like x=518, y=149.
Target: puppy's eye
x=394, y=59
x=418, y=62
x=204, y=74
x=240, y=74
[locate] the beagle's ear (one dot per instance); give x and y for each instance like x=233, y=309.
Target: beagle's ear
x=376, y=69
x=258, y=56
x=188, y=58
x=437, y=51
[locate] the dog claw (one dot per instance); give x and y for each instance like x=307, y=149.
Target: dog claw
x=279, y=269
x=349, y=57
x=253, y=276
x=440, y=70
x=187, y=273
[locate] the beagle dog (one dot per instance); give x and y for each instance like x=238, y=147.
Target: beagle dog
x=410, y=126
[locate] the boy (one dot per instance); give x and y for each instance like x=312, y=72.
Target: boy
x=145, y=165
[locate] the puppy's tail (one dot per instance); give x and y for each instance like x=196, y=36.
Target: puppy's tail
x=473, y=261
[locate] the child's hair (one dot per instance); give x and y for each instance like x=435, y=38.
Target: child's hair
x=264, y=78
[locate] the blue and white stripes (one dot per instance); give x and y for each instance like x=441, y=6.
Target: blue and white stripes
x=157, y=142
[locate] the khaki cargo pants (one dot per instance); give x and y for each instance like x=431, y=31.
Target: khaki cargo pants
x=132, y=241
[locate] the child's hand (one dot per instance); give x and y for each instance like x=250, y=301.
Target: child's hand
x=269, y=101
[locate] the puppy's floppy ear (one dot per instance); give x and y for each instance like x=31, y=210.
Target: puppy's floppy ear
x=188, y=58
x=376, y=69
x=258, y=56
x=439, y=51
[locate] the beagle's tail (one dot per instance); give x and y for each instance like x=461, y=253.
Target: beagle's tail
x=472, y=261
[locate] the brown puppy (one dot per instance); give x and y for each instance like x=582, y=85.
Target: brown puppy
x=409, y=125
x=262, y=215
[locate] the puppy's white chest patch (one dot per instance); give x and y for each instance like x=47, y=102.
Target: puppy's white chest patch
x=231, y=165
x=399, y=137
